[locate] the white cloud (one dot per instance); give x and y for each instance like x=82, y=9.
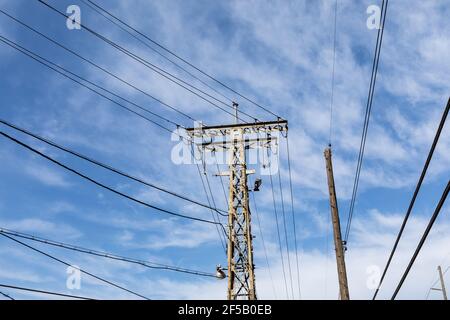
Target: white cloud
x=126, y=236
x=171, y=235
x=61, y=207
x=47, y=176
x=42, y=227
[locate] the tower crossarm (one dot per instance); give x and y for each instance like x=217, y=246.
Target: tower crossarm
x=246, y=128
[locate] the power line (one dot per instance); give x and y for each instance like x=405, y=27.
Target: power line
x=43, y=292
x=220, y=178
x=416, y=192
x=373, y=79
x=153, y=67
x=105, y=166
x=212, y=196
x=183, y=60
x=209, y=185
x=211, y=192
x=55, y=68
x=69, y=265
x=112, y=256
x=29, y=53
x=422, y=240
x=222, y=235
x=49, y=64
x=6, y=295
x=216, y=218
x=103, y=185
x=285, y=232
x=293, y=217
x=96, y=65
x=6, y=41
x=223, y=189
x=263, y=242
x=98, y=10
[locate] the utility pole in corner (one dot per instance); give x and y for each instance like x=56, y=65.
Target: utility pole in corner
x=441, y=278
x=339, y=248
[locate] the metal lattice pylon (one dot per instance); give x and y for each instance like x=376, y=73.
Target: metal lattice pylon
x=241, y=269
x=241, y=276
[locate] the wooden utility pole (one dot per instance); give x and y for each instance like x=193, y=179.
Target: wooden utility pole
x=339, y=248
x=235, y=139
x=441, y=277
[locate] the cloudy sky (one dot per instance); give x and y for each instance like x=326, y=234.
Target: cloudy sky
x=279, y=53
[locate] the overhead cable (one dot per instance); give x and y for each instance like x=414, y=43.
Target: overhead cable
x=69, y=265
x=422, y=240
x=112, y=256
x=103, y=185
x=182, y=59
x=414, y=197
x=362, y=146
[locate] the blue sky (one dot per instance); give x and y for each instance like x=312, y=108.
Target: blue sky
x=278, y=53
